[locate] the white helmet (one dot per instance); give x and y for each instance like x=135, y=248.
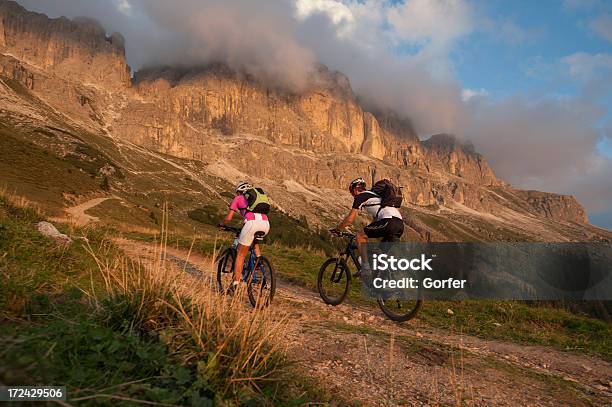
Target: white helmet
x=243, y=186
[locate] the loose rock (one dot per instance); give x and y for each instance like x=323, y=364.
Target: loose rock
x=48, y=230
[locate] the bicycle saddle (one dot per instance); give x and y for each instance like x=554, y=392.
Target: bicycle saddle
x=259, y=235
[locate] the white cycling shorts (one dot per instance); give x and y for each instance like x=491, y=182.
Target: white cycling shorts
x=247, y=234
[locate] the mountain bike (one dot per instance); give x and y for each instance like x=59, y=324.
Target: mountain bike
x=334, y=282
x=257, y=271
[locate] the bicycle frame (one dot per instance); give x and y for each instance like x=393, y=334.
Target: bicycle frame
x=350, y=251
x=249, y=266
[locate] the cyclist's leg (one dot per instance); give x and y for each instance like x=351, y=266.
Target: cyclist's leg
x=374, y=230
x=240, y=256
x=388, y=229
x=245, y=239
x=362, y=244
x=396, y=229
x=381, y=229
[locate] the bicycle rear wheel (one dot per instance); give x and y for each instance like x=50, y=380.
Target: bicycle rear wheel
x=225, y=269
x=334, y=281
x=261, y=284
x=398, y=309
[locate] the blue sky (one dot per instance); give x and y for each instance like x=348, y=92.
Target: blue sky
x=547, y=31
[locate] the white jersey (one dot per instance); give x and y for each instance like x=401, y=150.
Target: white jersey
x=370, y=202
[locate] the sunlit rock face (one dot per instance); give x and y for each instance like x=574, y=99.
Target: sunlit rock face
x=320, y=137
x=77, y=49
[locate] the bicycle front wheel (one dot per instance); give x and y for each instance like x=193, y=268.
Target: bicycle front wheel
x=261, y=284
x=334, y=281
x=398, y=309
x=225, y=268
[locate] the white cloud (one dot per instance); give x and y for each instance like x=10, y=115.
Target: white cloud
x=602, y=25
x=593, y=187
x=422, y=30
x=419, y=22
x=254, y=37
x=434, y=24
x=124, y=6
x=383, y=78
x=339, y=13
x=468, y=94
x=604, y=147
x=585, y=67
x=549, y=145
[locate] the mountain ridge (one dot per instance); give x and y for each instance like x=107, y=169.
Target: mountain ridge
x=321, y=138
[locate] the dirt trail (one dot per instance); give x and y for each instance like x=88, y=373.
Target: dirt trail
x=78, y=215
x=368, y=360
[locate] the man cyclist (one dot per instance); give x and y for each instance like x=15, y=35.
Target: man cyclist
x=253, y=222
x=387, y=220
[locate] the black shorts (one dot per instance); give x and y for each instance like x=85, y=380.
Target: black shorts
x=389, y=228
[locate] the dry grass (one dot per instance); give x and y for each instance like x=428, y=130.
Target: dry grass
x=18, y=201
x=462, y=390
x=304, y=247
x=124, y=227
x=237, y=349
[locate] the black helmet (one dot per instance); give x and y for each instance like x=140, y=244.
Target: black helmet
x=357, y=182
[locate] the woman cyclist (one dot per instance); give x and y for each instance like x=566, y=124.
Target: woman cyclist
x=253, y=222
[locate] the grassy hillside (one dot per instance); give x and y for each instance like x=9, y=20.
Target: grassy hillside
x=70, y=316
x=22, y=169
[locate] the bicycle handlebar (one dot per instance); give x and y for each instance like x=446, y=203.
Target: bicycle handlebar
x=229, y=228
x=342, y=233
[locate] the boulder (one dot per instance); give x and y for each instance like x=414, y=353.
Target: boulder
x=48, y=230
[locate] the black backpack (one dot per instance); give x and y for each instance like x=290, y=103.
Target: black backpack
x=389, y=194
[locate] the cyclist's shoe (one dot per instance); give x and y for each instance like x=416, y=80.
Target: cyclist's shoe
x=363, y=271
x=367, y=277
x=232, y=288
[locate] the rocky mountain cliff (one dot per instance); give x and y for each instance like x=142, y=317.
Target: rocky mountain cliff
x=77, y=49
x=303, y=147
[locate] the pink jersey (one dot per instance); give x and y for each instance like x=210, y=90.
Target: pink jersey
x=239, y=204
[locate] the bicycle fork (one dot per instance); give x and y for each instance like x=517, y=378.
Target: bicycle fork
x=336, y=275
